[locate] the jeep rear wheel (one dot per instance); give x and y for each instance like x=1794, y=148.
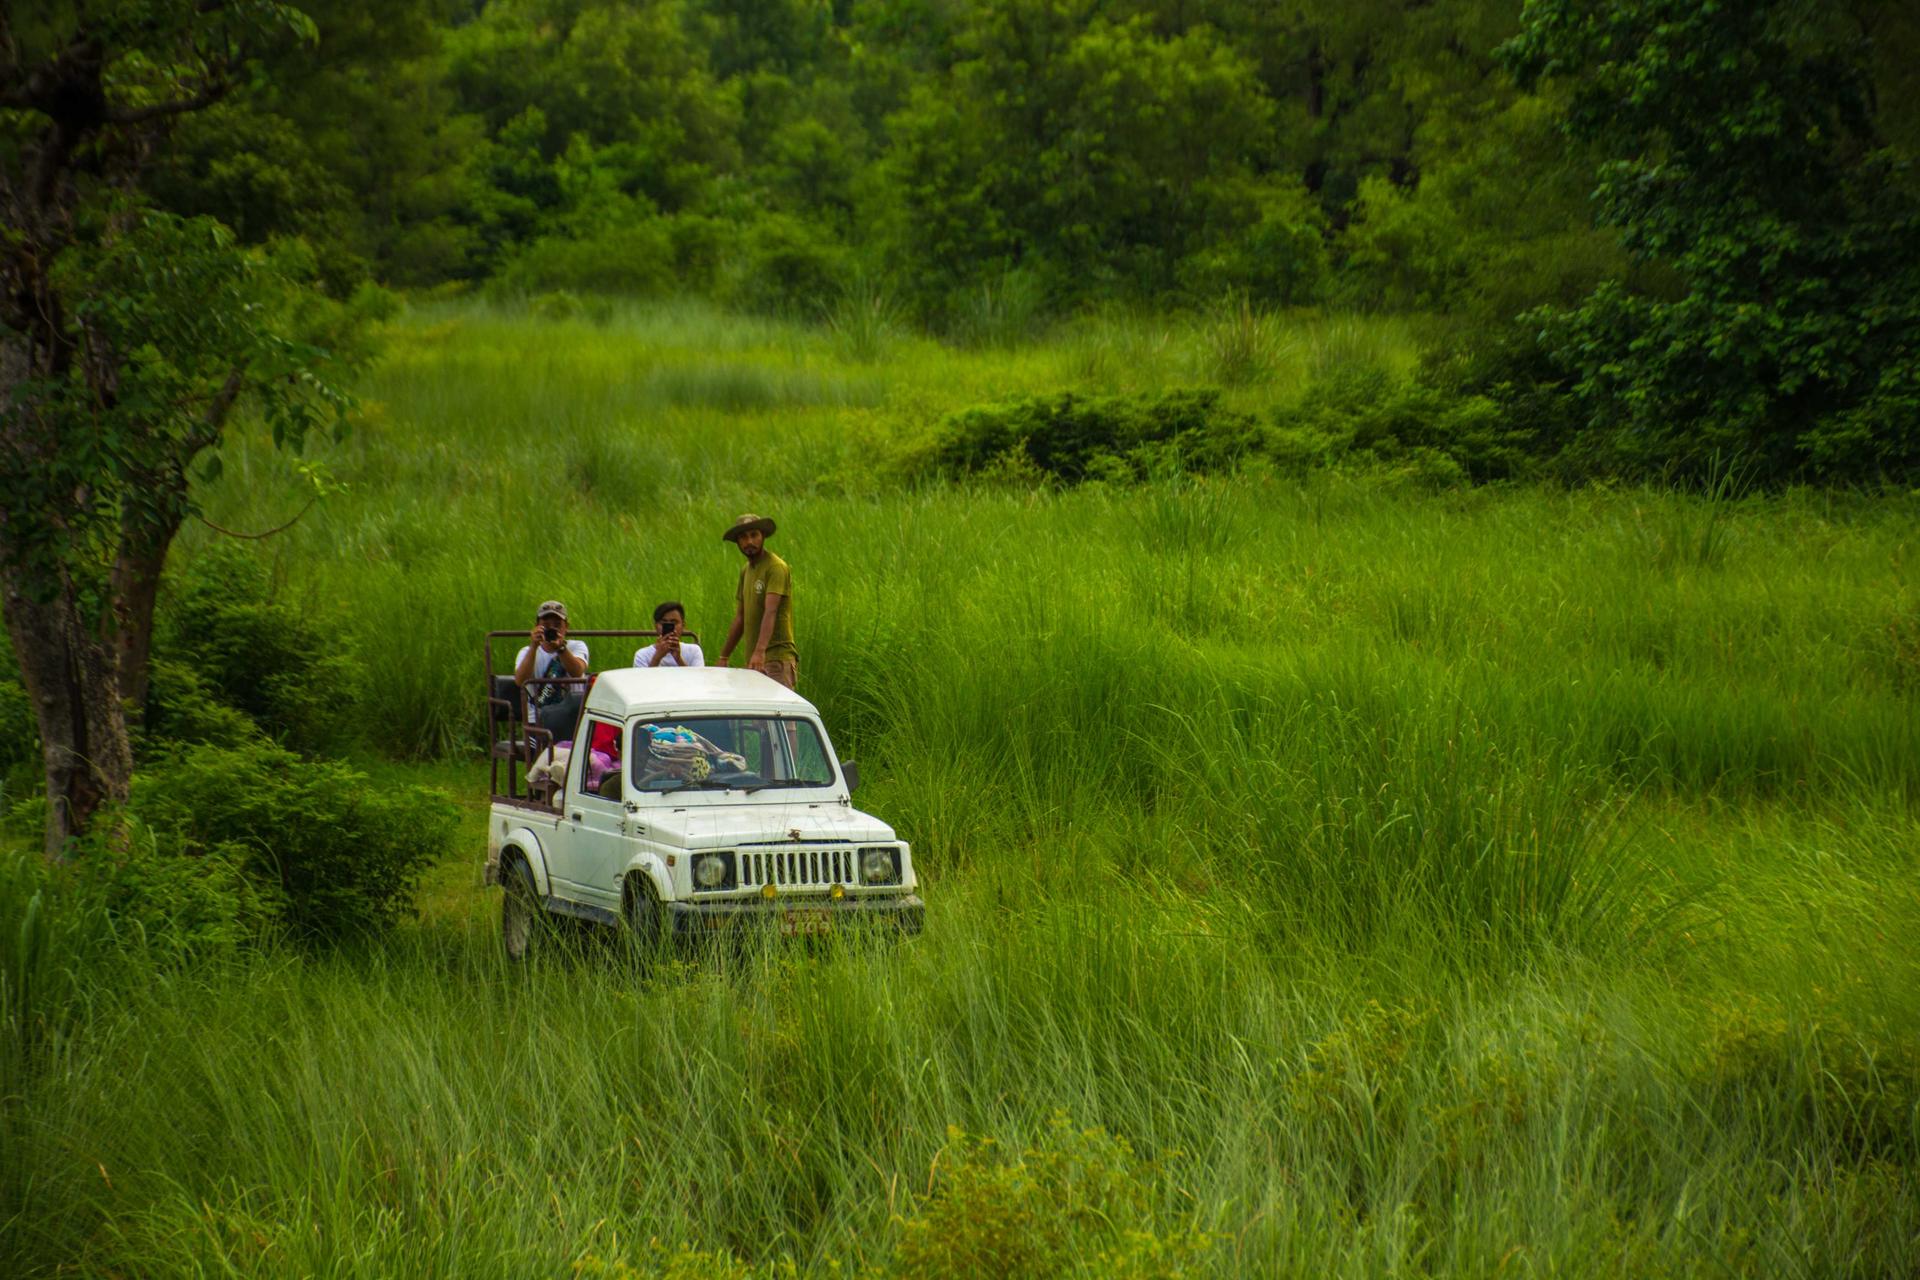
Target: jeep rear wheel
x=521, y=918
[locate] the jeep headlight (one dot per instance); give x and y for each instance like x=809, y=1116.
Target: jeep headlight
x=879, y=864
x=713, y=871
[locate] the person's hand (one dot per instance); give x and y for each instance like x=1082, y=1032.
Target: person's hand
x=661, y=648
x=758, y=662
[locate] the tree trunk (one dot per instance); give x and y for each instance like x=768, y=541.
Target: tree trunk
x=136, y=590
x=73, y=680
x=144, y=539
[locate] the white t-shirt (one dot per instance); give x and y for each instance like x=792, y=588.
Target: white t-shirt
x=690, y=656
x=547, y=666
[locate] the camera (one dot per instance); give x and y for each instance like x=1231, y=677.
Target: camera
x=550, y=633
x=668, y=629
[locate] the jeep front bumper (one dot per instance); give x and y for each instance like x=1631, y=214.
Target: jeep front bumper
x=795, y=916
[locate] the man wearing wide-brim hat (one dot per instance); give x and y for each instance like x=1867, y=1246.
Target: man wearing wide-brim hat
x=763, y=605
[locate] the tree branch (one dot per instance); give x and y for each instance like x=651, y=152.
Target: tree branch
x=140, y=115
x=279, y=528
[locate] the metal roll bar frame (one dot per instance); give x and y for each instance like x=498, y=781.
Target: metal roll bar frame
x=529, y=732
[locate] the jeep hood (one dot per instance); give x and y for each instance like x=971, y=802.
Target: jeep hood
x=729, y=826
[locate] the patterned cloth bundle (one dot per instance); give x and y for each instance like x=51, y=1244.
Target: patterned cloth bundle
x=677, y=744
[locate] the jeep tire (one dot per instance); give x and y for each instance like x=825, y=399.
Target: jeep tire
x=522, y=920
x=646, y=922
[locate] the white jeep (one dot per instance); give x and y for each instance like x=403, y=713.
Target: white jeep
x=693, y=801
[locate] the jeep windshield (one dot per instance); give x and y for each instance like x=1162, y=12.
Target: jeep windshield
x=730, y=753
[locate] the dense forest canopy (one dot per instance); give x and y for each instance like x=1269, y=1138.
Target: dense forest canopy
x=1704, y=198
x=766, y=150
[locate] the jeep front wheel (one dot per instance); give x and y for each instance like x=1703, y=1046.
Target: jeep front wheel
x=645, y=924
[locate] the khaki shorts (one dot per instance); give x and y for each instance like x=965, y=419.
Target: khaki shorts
x=786, y=671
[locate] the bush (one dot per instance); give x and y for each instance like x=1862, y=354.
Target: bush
x=181, y=708
x=1508, y=365
x=335, y=854
x=1279, y=261
x=172, y=898
x=1071, y=438
x=1078, y=1203
x=1404, y=250
x=786, y=267
x=1435, y=435
x=635, y=260
x=224, y=641
x=20, y=765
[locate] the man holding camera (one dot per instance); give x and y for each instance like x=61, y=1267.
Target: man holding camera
x=763, y=607
x=669, y=620
x=551, y=656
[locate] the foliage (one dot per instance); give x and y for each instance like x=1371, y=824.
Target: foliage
x=181, y=310
x=1742, y=152
x=173, y=899
x=230, y=642
x=1078, y=1202
x=1433, y=433
x=1086, y=150
x=785, y=267
x=338, y=855
x=635, y=260
x=1070, y=438
x=1278, y=260
x=128, y=334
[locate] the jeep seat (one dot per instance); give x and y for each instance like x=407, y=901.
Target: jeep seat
x=506, y=714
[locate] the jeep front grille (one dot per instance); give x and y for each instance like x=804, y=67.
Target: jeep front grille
x=796, y=868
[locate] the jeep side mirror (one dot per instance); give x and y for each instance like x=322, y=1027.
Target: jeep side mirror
x=852, y=774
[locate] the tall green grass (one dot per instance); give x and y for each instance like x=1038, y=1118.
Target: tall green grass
x=1505, y=880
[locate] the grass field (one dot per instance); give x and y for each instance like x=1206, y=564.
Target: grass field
x=1325, y=877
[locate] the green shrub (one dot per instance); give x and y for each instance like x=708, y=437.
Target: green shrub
x=1071, y=438
x=634, y=260
x=1078, y=1203
x=337, y=854
x=181, y=708
x=1433, y=434
x=559, y=304
x=1404, y=250
x=786, y=267
x=172, y=898
x=1279, y=261
x=1750, y=161
x=223, y=638
x=19, y=734
x=1508, y=365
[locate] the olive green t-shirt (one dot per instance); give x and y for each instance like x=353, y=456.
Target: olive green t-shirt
x=770, y=573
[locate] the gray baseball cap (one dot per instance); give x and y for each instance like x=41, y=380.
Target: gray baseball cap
x=553, y=607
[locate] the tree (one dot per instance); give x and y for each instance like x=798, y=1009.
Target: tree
x=1094, y=153
x=128, y=334
x=1743, y=151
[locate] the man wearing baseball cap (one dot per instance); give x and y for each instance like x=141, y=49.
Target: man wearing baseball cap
x=551, y=656
x=763, y=605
